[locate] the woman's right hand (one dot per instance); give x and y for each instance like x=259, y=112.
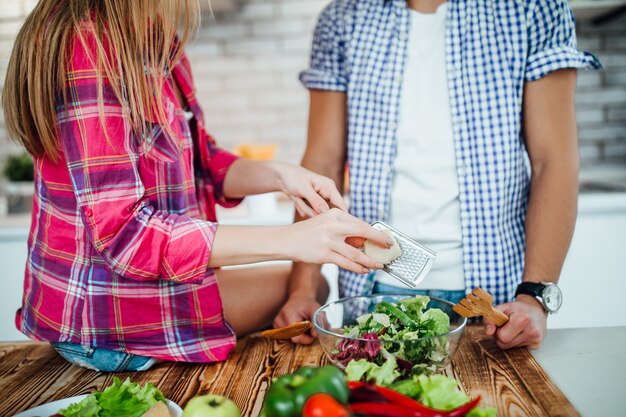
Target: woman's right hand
x=322, y=239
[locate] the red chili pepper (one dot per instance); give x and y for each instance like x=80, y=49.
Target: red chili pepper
x=388, y=410
x=411, y=405
x=394, y=397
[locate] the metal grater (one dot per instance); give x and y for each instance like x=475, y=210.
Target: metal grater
x=414, y=263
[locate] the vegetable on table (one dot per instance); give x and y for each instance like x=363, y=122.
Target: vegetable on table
x=323, y=405
x=126, y=398
x=403, y=405
x=211, y=406
x=373, y=387
x=287, y=394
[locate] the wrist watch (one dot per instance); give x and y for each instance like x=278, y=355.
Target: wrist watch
x=547, y=293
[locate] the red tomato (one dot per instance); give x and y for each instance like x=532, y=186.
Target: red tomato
x=323, y=405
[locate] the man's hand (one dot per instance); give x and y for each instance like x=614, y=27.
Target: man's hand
x=526, y=326
x=298, y=308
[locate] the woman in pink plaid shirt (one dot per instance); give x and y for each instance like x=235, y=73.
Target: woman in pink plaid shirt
x=124, y=241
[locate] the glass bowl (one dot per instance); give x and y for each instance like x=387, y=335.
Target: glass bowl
x=416, y=355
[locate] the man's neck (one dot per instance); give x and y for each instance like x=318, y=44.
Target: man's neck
x=424, y=6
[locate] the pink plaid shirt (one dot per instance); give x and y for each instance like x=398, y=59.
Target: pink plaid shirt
x=120, y=237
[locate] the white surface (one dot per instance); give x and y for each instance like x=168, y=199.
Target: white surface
x=593, y=277
x=13, y=260
x=425, y=193
x=589, y=366
x=49, y=409
x=592, y=9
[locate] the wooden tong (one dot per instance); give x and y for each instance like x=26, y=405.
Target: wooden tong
x=479, y=303
x=287, y=332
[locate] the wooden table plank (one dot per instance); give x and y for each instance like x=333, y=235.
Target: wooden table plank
x=32, y=373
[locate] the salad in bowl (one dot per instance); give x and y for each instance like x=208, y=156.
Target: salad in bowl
x=392, y=333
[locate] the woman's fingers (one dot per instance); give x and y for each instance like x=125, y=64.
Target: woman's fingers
x=333, y=195
x=357, y=256
x=345, y=263
x=353, y=227
x=327, y=189
x=303, y=208
x=318, y=204
x=378, y=237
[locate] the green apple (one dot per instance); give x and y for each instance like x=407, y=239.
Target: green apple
x=211, y=406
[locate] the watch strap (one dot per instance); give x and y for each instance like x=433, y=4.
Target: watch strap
x=534, y=289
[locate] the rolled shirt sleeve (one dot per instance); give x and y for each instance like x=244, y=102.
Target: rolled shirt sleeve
x=135, y=239
x=552, y=40
x=327, y=69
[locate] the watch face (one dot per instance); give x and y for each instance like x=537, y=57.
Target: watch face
x=552, y=298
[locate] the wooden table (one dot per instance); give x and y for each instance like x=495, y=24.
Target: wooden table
x=32, y=373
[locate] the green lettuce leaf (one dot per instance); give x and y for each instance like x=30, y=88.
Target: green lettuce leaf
x=414, y=306
x=436, y=321
x=408, y=387
x=126, y=399
x=88, y=407
x=362, y=370
x=482, y=412
x=441, y=392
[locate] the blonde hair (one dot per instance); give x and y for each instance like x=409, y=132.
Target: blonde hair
x=141, y=33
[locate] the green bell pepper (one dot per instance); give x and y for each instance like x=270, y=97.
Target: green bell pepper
x=288, y=393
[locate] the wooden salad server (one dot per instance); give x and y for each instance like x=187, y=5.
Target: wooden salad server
x=287, y=332
x=479, y=303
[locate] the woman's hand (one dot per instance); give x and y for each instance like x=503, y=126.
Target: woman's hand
x=310, y=192
x=322, y=239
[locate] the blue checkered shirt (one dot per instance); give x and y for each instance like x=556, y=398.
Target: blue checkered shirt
x=492, y=49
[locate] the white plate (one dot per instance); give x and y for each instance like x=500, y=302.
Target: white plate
x=46, y=410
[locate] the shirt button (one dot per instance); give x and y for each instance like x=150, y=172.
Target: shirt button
x=88, y=212
x=387, y=169
x=403, y=36
x=393, y=125
x=398, y=79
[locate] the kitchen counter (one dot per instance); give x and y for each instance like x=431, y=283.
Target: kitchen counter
x=31, y=373
x=589, y=366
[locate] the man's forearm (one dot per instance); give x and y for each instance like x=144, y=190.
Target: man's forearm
x=325, y=154
x=550, y=220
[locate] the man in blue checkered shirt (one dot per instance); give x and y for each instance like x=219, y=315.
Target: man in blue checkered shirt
x=457, y=122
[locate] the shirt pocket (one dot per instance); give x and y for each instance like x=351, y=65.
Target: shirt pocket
x=164, y=143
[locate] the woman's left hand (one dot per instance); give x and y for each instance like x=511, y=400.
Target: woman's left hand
x=312, y=193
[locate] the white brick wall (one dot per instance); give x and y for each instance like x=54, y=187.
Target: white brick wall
x=246, y=65
x=252, y=58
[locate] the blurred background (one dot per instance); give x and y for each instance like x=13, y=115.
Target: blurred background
x=246, y=60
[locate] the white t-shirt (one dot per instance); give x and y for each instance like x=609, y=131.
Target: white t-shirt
x=425, y=191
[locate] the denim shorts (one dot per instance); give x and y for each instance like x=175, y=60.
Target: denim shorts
x=103, y=360
x=452, y=296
